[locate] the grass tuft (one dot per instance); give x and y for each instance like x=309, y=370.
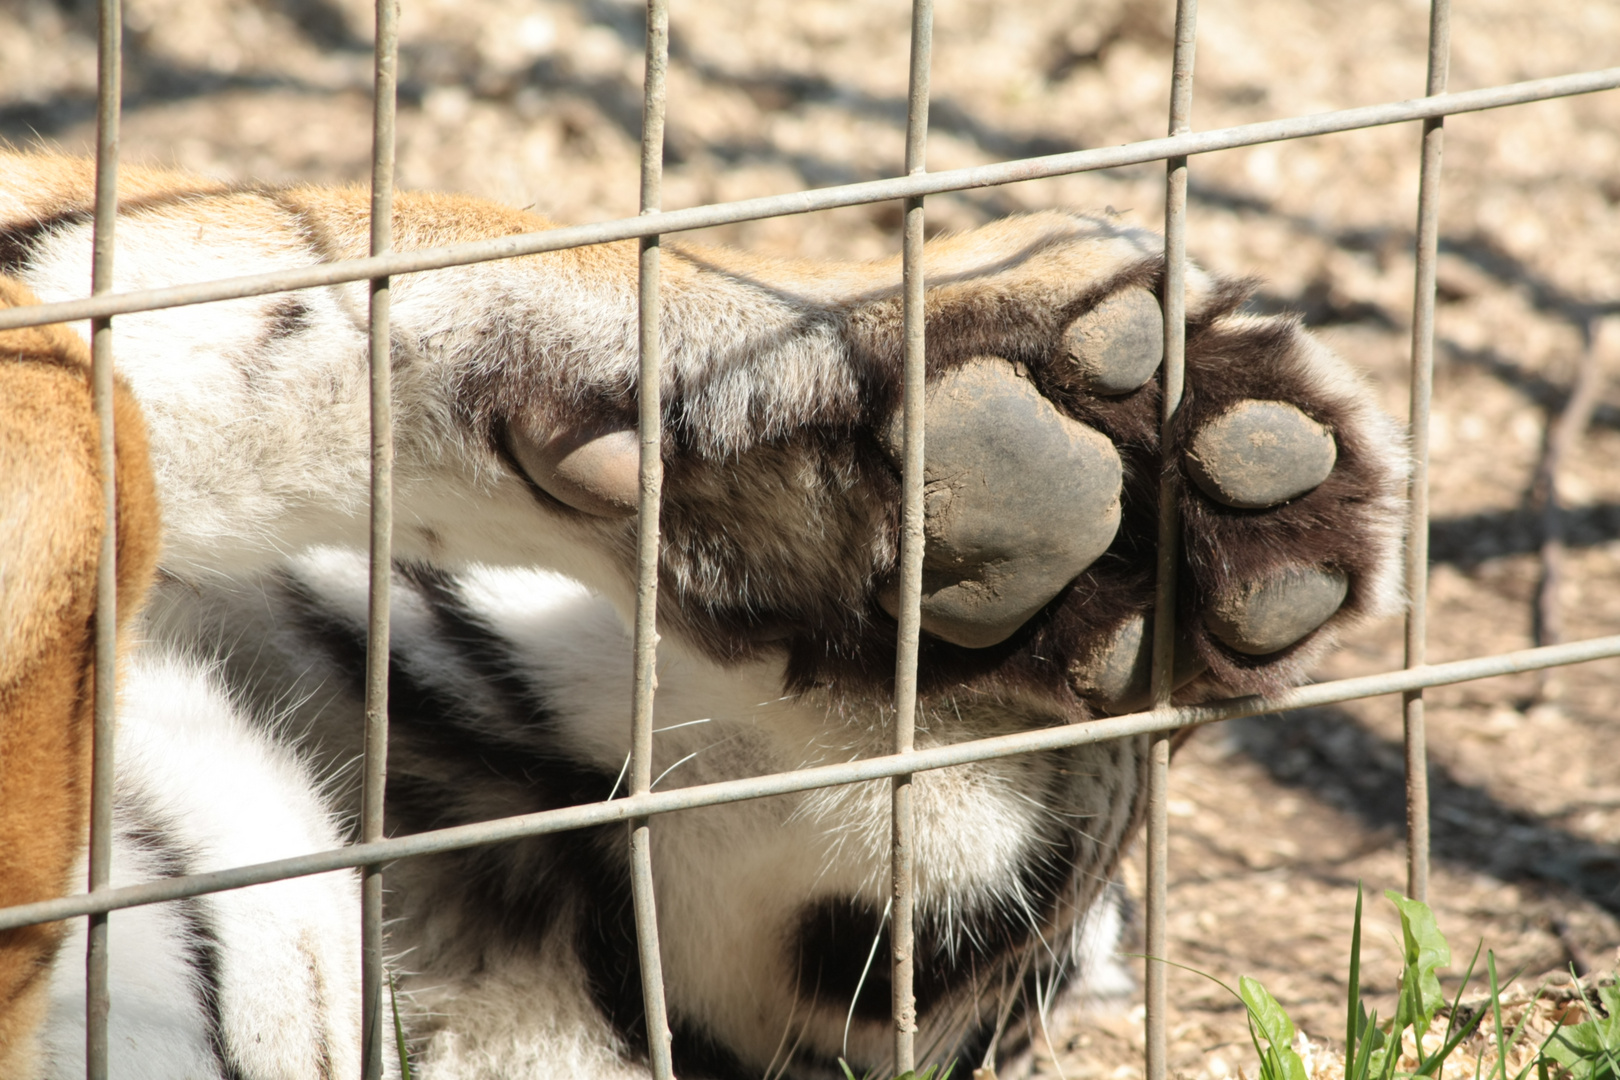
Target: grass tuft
x=1409, y=1045
x=933, y=1072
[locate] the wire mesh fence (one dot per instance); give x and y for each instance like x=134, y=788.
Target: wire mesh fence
x=642, y=804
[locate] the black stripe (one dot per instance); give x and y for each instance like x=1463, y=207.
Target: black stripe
x=19, y=240
x=592, y=861
x=154, y=834
x=834, y=937
x=440, y=746
x=288, y=317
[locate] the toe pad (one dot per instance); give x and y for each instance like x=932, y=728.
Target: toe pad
x=1117, y=345
x=1267, y=616
x=597, y=472
x=1260, y=453
x=1117, y=671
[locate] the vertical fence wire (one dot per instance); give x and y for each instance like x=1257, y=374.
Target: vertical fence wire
x=1164, y=617
x=375, y=768
x=650, y=427
x=1417, y=531
x=109, y=91
x=902, y=938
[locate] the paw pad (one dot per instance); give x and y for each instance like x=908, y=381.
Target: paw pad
x=1259, y=454
x=1116, y=346
x=1267, y=616
x=1116, y=672
x=596, y=472
x=1020, y=500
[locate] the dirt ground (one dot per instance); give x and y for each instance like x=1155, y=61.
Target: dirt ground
x=537, y=102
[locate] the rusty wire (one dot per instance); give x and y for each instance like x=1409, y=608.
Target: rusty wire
x=1172, y=381
x=827, y=198
x=585, y=815
x=109, y=91
x=1422, y=393
x=902, y=819
x=374, y=761
x=650, y=494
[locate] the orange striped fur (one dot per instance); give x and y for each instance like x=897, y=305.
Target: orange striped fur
x=50, y=538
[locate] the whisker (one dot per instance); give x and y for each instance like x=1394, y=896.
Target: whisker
x=687, y=723
x=677, y=765
x=620, y=780
x=1005, y=1011
x=849, y=1018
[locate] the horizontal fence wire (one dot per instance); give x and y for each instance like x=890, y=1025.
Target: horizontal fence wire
x=804, y=202
x=807, y=779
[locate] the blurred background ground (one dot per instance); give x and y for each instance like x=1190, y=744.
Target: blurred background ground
x=537, y=103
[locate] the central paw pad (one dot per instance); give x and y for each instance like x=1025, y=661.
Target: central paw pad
x=1020, y=499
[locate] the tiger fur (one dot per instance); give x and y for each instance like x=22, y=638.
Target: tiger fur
x=510, y=669
x=51, y=527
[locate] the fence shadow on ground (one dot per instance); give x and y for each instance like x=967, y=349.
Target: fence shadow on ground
x=1334, y=758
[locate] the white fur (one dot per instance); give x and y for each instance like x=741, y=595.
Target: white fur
x=192, y=769
x=731, y=878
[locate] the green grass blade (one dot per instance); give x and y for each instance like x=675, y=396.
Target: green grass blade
x=1600, y=1033
x=399, y=1033
x=1542, y=1057
x=1367, y=1043
x=1392, y=1048
x=1353, y=1011
x=1453, y=1040
x=1496, y=1010
x=1435, y=1065
x=1468, y=977
x=1518, y=1029
x=1280, y=1061
x=1184, y=967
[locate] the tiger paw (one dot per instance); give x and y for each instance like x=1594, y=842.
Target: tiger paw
x=1041, y=500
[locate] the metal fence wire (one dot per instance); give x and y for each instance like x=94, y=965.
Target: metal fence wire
x=642, y=804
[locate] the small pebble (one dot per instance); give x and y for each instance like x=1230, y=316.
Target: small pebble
x=1260, y=453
